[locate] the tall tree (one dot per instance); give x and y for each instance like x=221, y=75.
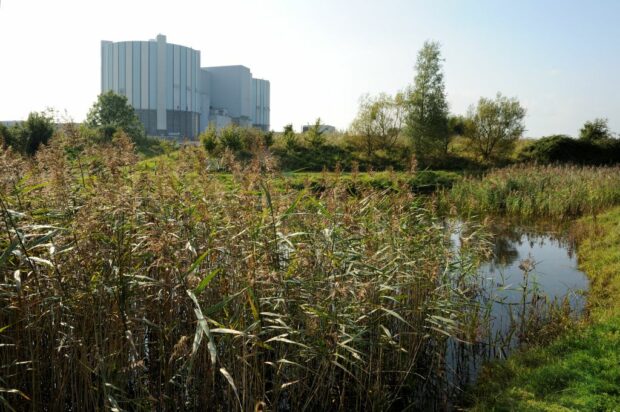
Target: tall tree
x=597, y=129
x=379, y=121
x=494, y=126
x=112, y=112
x=427, y=118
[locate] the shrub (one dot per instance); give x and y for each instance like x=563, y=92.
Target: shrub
x=564, y=149
x=28, y=136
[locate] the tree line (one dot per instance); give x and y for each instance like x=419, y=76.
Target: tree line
x=414, y=127
x=421, y=114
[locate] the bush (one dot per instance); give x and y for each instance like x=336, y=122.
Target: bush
x=564, y=149
x=26, y=137
x=209, y=141
x=313, y=159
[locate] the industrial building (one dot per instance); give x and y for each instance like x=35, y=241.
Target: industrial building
x=174, y=96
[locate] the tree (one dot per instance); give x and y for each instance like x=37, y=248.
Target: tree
x=112, y=112
x=379, y=121
x=427, y=117
x=595, y=130
x=456, y=125
x=5, y=136
x=268, y=138
x=26, y=137
x=290, y=138
x=494, y=126
x=314, y=135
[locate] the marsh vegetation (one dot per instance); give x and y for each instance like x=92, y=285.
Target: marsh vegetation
x=161, y=286
x=135, y=287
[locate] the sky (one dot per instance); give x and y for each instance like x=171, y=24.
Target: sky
x=560, y=58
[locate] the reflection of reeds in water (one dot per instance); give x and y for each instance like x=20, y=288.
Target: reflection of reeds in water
x=507, y=322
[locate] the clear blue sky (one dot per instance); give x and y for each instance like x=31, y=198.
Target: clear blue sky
x=560, y=58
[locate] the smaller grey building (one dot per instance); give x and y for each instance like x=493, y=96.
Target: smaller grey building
x=233, y=92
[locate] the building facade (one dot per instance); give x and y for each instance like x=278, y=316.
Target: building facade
x=160, y=81
x=260, y=103
x=174, y=97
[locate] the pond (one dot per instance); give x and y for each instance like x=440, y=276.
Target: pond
x=538, y=268
x=529, y=284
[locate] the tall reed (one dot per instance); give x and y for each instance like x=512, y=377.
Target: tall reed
x=158, y=288
x=558, y=192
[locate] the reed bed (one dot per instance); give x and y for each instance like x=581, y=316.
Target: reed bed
x=557, y=192
x=132, y=288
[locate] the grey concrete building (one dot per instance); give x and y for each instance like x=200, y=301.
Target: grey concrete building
x=160, y=81
x=174, y=97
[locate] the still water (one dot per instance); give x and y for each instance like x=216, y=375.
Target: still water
x=533, y=269
x=529, y=273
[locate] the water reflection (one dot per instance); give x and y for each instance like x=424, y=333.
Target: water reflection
x=554, y=274
x=530, y=277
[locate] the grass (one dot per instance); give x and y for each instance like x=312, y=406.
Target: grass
x=581, y=370
x=531, y=192
x=421, y=182
x=153, y=147
x=148, y=285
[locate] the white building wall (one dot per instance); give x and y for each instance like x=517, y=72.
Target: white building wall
x=115, y=68
x=260, y=103
x=231, y=89
x=161, y=83
x=176, y=82
x=219, y=122
x=128, y=72
x=144, y=76
x=205, y=99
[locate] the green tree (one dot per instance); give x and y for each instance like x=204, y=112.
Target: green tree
x=268, y=138
x=315, y=136
x=595, y=130
x=26, y=137
x=494, y=126
x=5, y=136
x=379, y=121
x=290, y=138
x=112, y=112
x=456, y=125
x=427, y=117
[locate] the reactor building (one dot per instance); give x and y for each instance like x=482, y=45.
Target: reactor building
x=174, y=96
